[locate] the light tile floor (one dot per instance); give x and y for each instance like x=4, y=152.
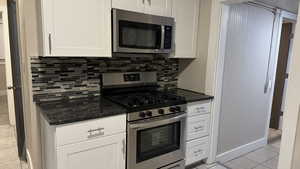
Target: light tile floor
x=263, y=158
x=8, y=149
x=215, y=166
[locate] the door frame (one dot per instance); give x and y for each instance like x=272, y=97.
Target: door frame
x=215, y=66
x=292, y=18
x=8, y=68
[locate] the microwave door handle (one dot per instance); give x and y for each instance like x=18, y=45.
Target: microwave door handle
x=162, y=44
x=145, y=125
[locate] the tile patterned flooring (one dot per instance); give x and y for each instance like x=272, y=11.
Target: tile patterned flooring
x=9, y=154
x=263, y=158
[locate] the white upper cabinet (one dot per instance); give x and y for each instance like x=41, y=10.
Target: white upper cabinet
x=153, y=7
x=159, y=7
x=186, y=14
x=129, y=5
x=76, y=28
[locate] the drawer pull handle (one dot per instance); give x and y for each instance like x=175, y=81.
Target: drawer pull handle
x=200, y=108
x=95, y=132
x=199, y=128
x=198, y=152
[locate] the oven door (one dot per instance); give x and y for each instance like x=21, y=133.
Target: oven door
x=141, y=33
x=156, y=142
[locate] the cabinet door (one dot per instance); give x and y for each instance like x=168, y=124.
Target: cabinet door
x=103, y=153
x=77, y=27
x=186, y=14
x=159, y=7
x=129, y=5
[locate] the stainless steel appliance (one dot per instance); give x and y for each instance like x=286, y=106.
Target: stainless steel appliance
x=156, y=120
x=141, y=33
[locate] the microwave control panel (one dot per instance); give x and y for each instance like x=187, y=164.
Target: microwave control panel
x=133, y=77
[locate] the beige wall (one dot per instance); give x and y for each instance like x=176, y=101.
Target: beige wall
x=290, y=141
x=29, y=48
x=291, y=125
x=296, y=162
x=2, y=77
x=193, y=71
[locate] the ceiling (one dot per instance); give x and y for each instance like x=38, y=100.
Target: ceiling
x=289, y=5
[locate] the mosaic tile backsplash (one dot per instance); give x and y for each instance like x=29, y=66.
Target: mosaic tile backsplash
x=61, y=78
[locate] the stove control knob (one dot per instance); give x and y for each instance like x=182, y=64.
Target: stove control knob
x=161, y=111
x=149, y=113
x=142, y=114
x=172, y=109
x=178, y=108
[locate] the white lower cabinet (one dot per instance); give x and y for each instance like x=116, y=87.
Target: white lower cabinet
x=197, y=150
x=198, y=132
x=91, y=144
x=103, y=153
x=198, y=108
x=198, y=126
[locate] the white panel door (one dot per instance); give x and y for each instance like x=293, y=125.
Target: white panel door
x=158, y=7
x=245, y=102
x=77, y=27
x=129, y=5
x=186, y=14
x=103, y=153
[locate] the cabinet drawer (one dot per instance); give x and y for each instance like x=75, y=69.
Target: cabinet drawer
x=198, y=126
x=198, y=108
x=197, y=150
x=91, y=129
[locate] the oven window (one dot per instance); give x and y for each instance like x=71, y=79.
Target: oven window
x=157, y=141
x=139, y=35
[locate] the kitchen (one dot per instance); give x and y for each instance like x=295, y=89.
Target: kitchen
x=128, y=76
x=94, y=84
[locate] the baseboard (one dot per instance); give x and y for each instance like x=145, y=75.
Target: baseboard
x=29, y=159
x=239, y=151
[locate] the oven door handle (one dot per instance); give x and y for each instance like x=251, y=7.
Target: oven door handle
x=144, y=125
x=162, y=42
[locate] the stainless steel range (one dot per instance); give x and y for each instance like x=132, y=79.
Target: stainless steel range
x=156, y=120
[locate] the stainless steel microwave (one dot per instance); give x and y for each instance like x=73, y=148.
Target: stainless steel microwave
x=141, y=33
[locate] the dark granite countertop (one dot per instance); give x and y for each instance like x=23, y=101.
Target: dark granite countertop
x=69, y=111
x=190, y=95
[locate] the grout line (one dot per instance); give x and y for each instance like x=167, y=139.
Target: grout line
x=257, y=163
x=224, y=165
